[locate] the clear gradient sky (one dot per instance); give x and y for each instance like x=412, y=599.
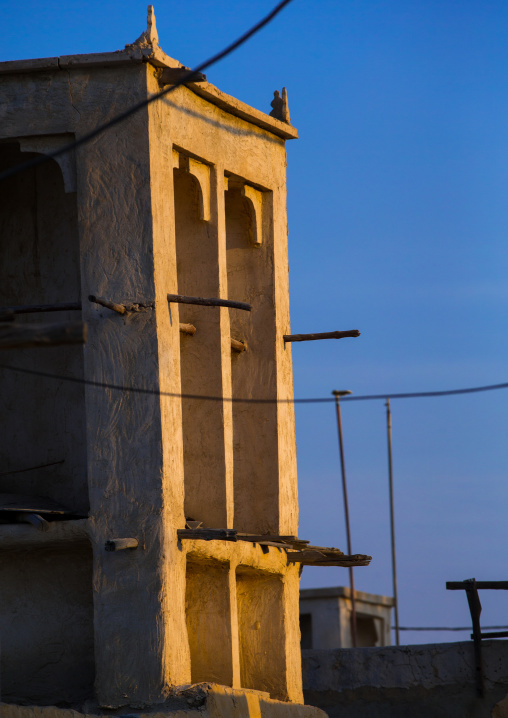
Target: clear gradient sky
x=398, y=224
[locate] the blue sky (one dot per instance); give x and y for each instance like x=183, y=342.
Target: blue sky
x=398, y=225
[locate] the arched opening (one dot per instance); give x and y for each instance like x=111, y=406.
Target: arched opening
x=253, y=372
x=200, y=358
x=44, y=418
x=46, y=607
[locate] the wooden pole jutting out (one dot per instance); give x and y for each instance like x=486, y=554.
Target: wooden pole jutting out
x=238, y=346
x=181, y=299
x=120, y=544
x=338, y=394
x=188, y=329
x=171, y=75
x=392, y=521
x=119, y=308
x=323, y=335
x=36, y=308
x=21, y=336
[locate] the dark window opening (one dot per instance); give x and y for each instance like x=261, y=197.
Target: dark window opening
x=306, y=630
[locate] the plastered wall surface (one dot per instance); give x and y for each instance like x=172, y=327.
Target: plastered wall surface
x=125, y=464
x=435, y=680
x=232, y=147
x=205, y=700
x=46, y=624
x=185, y=197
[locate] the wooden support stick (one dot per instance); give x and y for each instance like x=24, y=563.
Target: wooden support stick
x=238, y=346
x=36, y=308
x=324, y=335
x=172, y=75
x=21, y=336
x=181, y=299
x=188, y=329
x=120, y=544
x=120, y=308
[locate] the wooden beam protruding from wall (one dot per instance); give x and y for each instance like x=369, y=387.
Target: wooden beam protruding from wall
x=238, y=346
x=208, y=302
x=189, y=329
x=323, y=335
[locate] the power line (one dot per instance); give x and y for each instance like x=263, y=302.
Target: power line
x=239, y=400
x=188, y=77
x=443, y=628
x=420, y=394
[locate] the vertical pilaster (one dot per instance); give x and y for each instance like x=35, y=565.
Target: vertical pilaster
x=219, y=187
x=276, y=220
x=292, y=649
x=124, y=428
x=235, y=633
x=176, y=665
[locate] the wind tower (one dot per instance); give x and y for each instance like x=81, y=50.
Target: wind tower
x=173, y=563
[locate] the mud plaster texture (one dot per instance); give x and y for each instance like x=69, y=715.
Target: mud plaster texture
x=186, y=196
x=203, y=700
x=422, y=681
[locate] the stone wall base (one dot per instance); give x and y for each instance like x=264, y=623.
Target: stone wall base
x=421, y=681
x=201, y=700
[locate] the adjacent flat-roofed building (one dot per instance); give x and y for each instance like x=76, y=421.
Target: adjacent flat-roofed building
x=325, y=618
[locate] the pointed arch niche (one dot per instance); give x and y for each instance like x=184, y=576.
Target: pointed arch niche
x=44, y=421
x=40, y=264
x=200, y=354
x=249, y=251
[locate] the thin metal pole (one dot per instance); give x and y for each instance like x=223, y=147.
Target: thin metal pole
x=392, y=520
x=346, y=514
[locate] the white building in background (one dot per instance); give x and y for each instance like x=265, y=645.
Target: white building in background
x=325, y=618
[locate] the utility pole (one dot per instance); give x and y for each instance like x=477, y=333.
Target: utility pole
x=337, y=395
x=392, y=520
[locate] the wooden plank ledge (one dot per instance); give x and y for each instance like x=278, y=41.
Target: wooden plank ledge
x=323, y=556
x=206, y=534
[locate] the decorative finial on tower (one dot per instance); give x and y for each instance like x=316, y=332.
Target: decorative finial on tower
x=149, y=38
x=280, y=106
x=151, y=29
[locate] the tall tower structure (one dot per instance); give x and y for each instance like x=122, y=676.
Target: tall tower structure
x=135, y=432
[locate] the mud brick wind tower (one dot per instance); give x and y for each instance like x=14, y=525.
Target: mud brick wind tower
x=186, y=197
